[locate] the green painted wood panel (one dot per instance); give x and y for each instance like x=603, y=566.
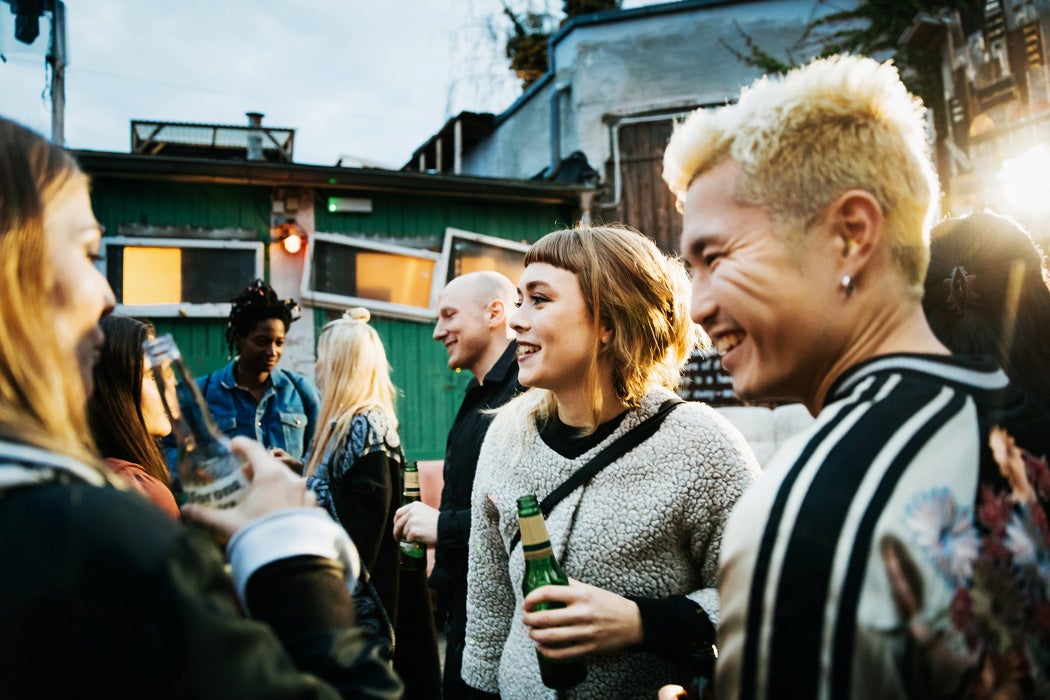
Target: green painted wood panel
x=429, y=393
x=120, y=202
x=201, y=341
x=415, y=216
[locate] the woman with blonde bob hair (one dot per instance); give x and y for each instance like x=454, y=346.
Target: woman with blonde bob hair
x=98, y=580
x=603, y=330
x=356, y=468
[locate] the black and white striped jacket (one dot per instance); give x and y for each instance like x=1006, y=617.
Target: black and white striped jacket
x=807, y=610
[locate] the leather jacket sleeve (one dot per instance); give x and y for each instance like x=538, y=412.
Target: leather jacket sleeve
x=105, y=593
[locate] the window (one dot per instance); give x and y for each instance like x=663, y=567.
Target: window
x=177, y=277
x=469, y=252
x=388, y=279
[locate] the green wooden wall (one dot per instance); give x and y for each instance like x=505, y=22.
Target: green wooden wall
x=429, y=393
x=413, y=216
x=153, y=203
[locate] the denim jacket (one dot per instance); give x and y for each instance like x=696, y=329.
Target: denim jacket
x=285, y=417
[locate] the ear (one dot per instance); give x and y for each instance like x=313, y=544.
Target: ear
x=856, y=226
x=497, y=312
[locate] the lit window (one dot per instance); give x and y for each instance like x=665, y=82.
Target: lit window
x=466, y=252
x=392, y=280
x=178, y=277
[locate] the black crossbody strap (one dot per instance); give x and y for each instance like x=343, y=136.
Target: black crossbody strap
x=621, y=446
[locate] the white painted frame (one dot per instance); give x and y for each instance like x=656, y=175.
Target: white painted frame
x=453, y=233
x=384, y=308
x=180, y=310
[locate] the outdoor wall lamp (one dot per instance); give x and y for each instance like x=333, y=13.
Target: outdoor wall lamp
x=290, y=235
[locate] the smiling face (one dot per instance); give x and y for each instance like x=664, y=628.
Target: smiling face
x=463, y=327
x=556, y=338
x=80, y=295
x=756, y=295
x=260, y=349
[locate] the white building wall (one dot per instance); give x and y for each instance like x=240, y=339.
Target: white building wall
x=669, y=60
x=286, y=278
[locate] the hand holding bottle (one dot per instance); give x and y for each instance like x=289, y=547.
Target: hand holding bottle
x=272, y=487
x=296, y=465
x=593, y=620
x=413, y=552
x=416, y=522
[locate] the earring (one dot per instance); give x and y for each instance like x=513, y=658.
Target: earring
x=847, y=284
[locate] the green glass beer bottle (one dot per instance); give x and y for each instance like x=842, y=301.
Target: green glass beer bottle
x=543, y=569
x=413, y=554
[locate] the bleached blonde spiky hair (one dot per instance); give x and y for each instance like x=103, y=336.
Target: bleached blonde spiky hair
x=837, y=123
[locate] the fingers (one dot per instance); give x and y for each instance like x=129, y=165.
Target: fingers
x=272, y=487
x=416, y=522
x=252, y=453
x=567, y=651
x=585, y=619
x=671, y=692
x=563, y=595
x=222, y=521
x=400, y=520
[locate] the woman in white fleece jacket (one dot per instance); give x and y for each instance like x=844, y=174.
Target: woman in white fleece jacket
x=603, y=328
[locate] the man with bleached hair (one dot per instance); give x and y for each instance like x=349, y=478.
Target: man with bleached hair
x=847, y=569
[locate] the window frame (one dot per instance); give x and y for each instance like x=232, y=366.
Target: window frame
x=181, y=309
x=320, y=299
x=483, y=238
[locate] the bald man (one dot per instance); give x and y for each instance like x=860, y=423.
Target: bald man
x=473, y=325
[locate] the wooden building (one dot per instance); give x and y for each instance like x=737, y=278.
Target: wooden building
x=184, y=235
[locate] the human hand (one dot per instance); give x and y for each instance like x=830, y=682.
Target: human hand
x=593, y=620
x=272, y=487
x=672, y=692
x=296, y=465
x=416, y=522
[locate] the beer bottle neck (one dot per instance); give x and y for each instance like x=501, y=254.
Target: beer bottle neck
x=535, y=542
x=191, y=420
x=411, y=492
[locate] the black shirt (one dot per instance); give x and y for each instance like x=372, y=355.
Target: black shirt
x=449, y=576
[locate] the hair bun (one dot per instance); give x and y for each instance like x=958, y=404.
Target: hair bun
x=357, y=313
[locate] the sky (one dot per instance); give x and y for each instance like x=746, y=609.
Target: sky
x=365, y=81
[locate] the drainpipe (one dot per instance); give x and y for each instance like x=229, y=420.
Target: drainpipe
x=625, y=121
x=457, y=146
x=556, y=94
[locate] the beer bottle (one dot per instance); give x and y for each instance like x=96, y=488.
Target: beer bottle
x=542, y=569
x=413, y=554
x=209, y=473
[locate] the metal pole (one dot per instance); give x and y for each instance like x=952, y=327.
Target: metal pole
x=57, y=58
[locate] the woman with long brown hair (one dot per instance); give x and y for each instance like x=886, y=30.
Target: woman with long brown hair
x=126, y=413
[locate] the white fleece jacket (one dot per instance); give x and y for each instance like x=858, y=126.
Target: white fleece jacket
x=647, y=525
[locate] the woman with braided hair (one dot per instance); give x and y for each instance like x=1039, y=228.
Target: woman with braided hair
x=250, y=396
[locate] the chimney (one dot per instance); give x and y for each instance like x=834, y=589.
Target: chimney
x=255, y=149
